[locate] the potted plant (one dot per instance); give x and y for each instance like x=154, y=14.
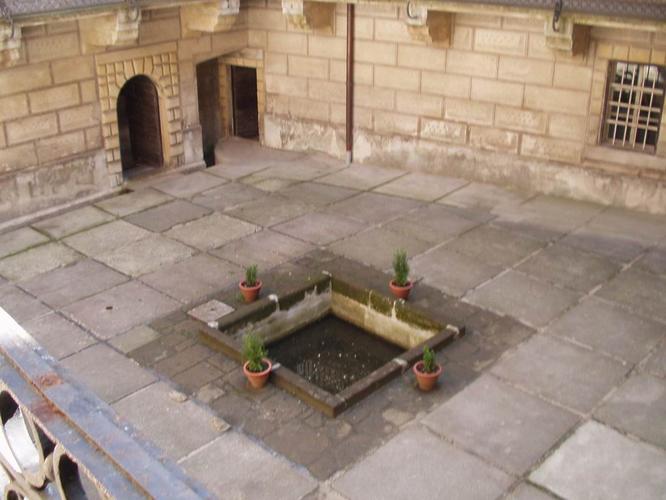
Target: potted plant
x=257, y=366
x=427, y=370
x=400, y=285
x=250, y=286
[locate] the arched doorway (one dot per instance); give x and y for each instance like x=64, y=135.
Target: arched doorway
x=139, y=126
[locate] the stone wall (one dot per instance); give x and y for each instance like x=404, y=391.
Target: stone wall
x=497, y=105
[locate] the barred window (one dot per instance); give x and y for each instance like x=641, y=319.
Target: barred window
x=634, y=104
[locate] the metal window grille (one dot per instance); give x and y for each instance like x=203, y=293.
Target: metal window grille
x=634, y=105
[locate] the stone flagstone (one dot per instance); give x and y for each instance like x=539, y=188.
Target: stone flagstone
x=59, y=336
x=73, y=222
x=187, y=185
x=106, y=238
x=211, y=231
x=159, y=219
x=420, y=186
x=37, y=260
x=136, y=201
x=19, y=240
x=20, y=305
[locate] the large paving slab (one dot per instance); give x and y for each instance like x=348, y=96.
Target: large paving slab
x=521, y=296
x=433, y=223
x=503, y=425
x=484, y=197
x=194, y=278
x=233, y=466
x=303, y=169
x=59, y=336
x=639, y=408
x=270, y=210
x=654, y=261
x=376, y=247
x=68, y=284
x=237, y=169
x=106, y=238
x=228, y=196
x=526, y=491
x=146, y=255
x=37, y=260
x=598, y=240
x=417, y=464
x=571, y=268
x=133, y=202
x=316, y=194
x=118, y=309
x=598, y=462
x=362, y=176
x=265, y=249
x=373, y=208
x=643, y=292
x=631, y=224
x=557, y=370
x=72, y=222
x=134, y=338
x=320, y=228
x=656, y=363
x=175, y=424
x=187, y=185
x=211, y=231
x=495, y=246
x=167, y=215
x=609, y=328
x=19, y=240
x=452, y=272
x=421, y=186
x=269, y=185
x=20, y=305
x=107, y=373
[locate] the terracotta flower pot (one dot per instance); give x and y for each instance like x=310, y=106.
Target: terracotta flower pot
x=258, y=379
x=426, y=380
x=250, y=293
x=401, y=292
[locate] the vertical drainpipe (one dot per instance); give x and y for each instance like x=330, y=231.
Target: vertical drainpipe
x=349, y=139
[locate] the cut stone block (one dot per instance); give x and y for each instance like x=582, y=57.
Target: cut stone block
x=30, y=263
x=19, y=305
x=361, y=176
x=265, y=248
x=608, y=328
x=639, y=408
x=435, y=470
x=320, y=228
x=642, y=292
x=187, y=185
x=167, y=215
x=177, y=428
x=598, y=462
x=211, y=231
x=505, y=426
x=420, y=186
x=115, y=311
x=19, y=240
x=73, y=222
x=106, y=238
x=574, y=377
x=136, y=201
x=65, y=285
x=108, y=374
x=523, y=297
x=210, y=311
x=58, y=336
x=373, y=207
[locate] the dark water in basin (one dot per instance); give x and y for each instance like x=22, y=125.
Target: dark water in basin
x=332, y=353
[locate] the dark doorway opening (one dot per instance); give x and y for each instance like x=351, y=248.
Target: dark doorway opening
x=244, y=98
x=139, y=126
x=208, y=92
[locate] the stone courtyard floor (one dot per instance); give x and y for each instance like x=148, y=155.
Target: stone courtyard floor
x=558, y=388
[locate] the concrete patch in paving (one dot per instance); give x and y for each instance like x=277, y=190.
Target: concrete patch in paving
x=59, y=336
x=211, y=231
x=573, y=376
x=432, y=223
x=167, y=215
x=485, y=197
x=73, y=221
x=106, y=238
x=68, y=284
x=523, y=297
x=19, y=305
x=118, y=309
x=373, y=207
x=210, y=311
x=19, y=240
x=265, y=248
x=37, y=260
x=598, y=462
x=642, y=292
x=505, y=426
x=107, y=373
x=134, y=338
x=361, y=176
x=609, y=328
x=421, y=186
x=320, y=228
x=176, y=427
x=193, y=278
x=233, y=466
x=316, y=194
x=417, y=464
x=146, y=255
x=270, y=210
x=228, y=196
x=133, y=202
x=568, y=267
x=187, y=185
x=639, y=408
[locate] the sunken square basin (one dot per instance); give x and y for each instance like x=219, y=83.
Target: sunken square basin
x=332, y=342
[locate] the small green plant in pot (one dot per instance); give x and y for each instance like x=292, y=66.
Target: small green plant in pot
x=400, y=285
x=427, y=370
x=251, y=285
x=256, y=367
